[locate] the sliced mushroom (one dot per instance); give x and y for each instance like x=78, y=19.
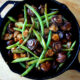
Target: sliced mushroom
x=32, y=44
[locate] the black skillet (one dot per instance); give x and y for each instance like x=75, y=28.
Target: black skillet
x=71, y=63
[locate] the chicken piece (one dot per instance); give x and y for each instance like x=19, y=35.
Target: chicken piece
x=25, y=33
x=8, y=36
x=16, y=33
x=19, y=24
x=21, y=20
x=15, y=56
x=57, y=19
x=55, y=37
x=30, y=13
x=32, y=44
x=10, y=42
x=19, y=36
x=56, y=46
x=49, y=53
x=53, y=28
x=61, y=57
x=46, y=31
x=41, y=9
x=20, y=41
x=23, y=55
x=45, y=66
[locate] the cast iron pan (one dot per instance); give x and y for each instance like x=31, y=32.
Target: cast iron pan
x=70, y=63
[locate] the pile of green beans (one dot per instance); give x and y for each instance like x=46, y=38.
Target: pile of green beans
x=37, y=23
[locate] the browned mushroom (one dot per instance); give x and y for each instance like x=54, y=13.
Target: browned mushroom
x=32, y=44
x=56, y=46
x=57, y=19
x=10, y=42
x=41, y=9
x=66, y=26
x=45, y=66
x=61, y=57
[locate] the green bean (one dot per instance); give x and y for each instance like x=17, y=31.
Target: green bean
x=41, y=61
x=4, y=29
x=23, y=65
x=39, y=18
x=23, y=59
x=67, y=49
x=64, y=45
x=41, y=56
x=49, y=14
x=25, y=22
x=36, y=23
x=40, y=39
x=20, y=24
x=28, y=70
x=11, y=19
x=49, y=18
x=17, y=51
x=49, y=38
x=27, y=50
x=46, y=17
x=44, y=51
x=11, y=46
x=60, y=65
x=54, y=9
x=17, y=29
x=72, y=46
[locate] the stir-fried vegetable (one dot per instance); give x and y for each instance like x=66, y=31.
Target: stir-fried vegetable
x=40, y=38
x=26, y=49
x=28, y=70
x=22, y=59
x=11, y=19
x=46, y=17
x=4, y=29
x=39, y=18
x=36, y=39
x=25, y=22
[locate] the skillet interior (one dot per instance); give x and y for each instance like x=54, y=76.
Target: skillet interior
x=67, y=14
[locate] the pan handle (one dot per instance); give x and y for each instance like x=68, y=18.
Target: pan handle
x=4, y=5
x=76, y=64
